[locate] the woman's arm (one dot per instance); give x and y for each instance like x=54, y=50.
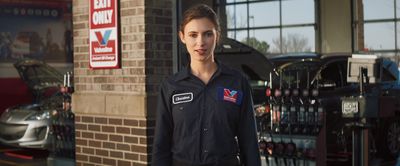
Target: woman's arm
x=162, y=155
x=247, y=133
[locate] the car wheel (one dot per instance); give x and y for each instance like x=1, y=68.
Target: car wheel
x=387, y=137
x=393, y=138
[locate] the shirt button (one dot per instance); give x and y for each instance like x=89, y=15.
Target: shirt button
x=181, y=108
x=205, y=129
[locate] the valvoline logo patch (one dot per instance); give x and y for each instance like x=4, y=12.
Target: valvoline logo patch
x=103, y=39
x=230, y=95
x=104, y=43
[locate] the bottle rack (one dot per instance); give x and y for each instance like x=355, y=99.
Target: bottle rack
x=63, y=124
x=290, y=126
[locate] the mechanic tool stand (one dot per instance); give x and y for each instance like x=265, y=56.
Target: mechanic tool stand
x=292, y=138
x=363, y=107
x=359, y=126
x=62, y=129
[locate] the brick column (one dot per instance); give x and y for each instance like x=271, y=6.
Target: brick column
x=360, y=45
x=115, y=108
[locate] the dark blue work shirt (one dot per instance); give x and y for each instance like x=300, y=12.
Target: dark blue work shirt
x=204, y=124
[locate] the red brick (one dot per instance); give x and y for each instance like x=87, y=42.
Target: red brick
x=109, y=161
x=139, y=164
x=131, y=123
x=141, y=149
x=103, y=137
x=115, y=121
x=102, y=152
x=88, y=150
x=87, y=135
x=87, y=119
x=124, y=163
x=143, y=158
x=142, y=123
x=87, y=164
x=123, y=147
x=96, y=144
x=79, y=126
x=140, y=132
x=94, y=159
x=81, y=142
x=94, y=127
x=79, y=25
x=80, y=157
x=131, y=156
x=116, y=138
x=100, y=120
x=108, y=87
x=77, y=119
x=116, y=154
x=129, y=139
x=108, y=145
x=109, y=129
x=100, y=79
x=123, y=130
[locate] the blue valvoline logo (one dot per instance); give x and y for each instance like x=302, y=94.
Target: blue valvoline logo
x=103, y=38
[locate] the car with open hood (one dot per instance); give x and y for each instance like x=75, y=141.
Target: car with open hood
x=28, y=125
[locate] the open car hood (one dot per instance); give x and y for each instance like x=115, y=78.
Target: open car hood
x=244, y=58
x=38, y=75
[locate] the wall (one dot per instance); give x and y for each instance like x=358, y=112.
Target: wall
x=335, y=26
x=115, y=107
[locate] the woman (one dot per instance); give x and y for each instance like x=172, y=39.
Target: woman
x=204, y=112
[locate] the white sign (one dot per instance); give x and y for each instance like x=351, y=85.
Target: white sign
x=103, y=34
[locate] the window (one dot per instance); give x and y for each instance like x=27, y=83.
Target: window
x=381, y=28
x=273, y=26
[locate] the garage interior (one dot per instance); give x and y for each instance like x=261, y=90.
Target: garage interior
x=111, y=112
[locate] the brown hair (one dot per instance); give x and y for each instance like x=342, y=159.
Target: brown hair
x=197, y=12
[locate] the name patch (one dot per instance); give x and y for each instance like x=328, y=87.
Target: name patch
x=182, y=98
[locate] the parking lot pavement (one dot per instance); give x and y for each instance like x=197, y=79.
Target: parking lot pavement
x=12, y=156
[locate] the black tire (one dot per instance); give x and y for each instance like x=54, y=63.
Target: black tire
x=393, y=138
x=389, y=139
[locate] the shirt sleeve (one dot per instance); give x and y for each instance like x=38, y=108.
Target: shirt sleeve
x=162, y=155
x=247, y=135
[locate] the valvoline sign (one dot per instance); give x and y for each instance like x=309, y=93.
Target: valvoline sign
x=103, y=34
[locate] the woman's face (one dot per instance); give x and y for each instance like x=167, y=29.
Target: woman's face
x=200, y=38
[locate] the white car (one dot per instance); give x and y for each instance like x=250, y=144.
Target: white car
x=29, y=125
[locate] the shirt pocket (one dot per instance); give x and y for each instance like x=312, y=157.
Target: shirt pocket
x=184, y=115
x=230, y=111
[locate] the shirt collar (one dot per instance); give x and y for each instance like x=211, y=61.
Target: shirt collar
x=185, y=72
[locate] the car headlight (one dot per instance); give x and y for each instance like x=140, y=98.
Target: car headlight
x=4, y=112
x=40, y=115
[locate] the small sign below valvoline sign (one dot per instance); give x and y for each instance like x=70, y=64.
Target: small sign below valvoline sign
x=103, y=34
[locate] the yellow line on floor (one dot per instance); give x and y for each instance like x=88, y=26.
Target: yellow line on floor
x=7, y=162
